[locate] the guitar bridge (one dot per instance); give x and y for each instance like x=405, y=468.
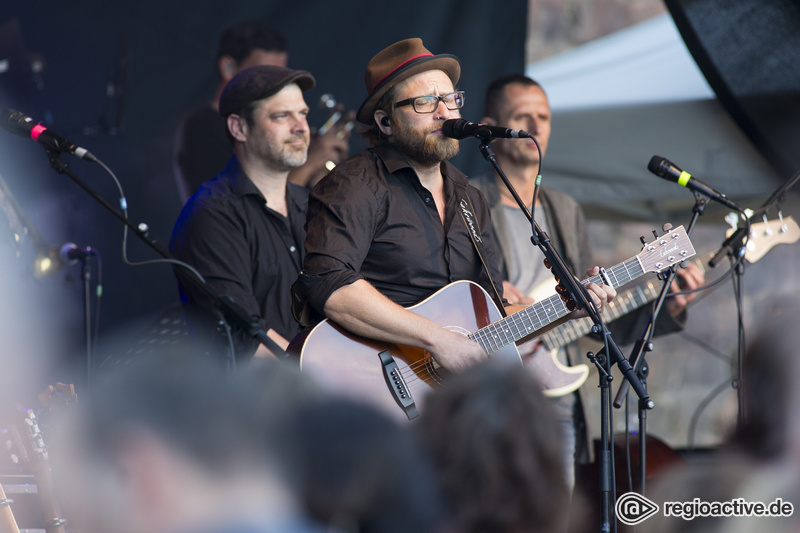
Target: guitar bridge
x=397, y=385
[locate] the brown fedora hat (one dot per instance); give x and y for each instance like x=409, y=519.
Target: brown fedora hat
x=398, y=62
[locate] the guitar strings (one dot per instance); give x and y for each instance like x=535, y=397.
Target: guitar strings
x=553, y=308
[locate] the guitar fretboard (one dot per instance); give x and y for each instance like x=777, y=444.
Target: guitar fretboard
x=623, y=304
x=538, y=315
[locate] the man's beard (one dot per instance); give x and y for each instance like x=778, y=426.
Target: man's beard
x=285, y=157
x=427, y=150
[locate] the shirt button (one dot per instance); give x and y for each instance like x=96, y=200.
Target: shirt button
x=427, y=200
x=292, y=248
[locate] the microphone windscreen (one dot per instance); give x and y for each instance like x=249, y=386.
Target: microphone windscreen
x=655, y=164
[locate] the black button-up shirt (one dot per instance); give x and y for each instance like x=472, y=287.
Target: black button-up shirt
x=244, y=250
x=372, y=219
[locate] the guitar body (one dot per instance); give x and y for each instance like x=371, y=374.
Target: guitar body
x=557, y=379
x=348, y=364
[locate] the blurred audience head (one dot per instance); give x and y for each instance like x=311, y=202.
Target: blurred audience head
x=687, y=497
x=761, y=464
x=172, y=444
x=361, y=472
x=497, y=448
x=770, y=377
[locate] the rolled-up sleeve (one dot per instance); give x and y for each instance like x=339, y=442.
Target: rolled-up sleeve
x=343, y=210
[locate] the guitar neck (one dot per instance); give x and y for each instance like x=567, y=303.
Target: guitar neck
x=540, y=314
x=8, y=523
x=50, y=507
x=623, y=304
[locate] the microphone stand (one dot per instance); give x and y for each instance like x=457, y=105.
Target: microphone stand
x=222, y=303
x=645, y=344
x=733, y=247
x=86, y=276
x=582, y=300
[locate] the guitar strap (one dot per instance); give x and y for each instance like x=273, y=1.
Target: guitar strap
x=473, y=228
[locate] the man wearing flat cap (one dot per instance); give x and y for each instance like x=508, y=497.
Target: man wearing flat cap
x=384, y=229
x=243, y=230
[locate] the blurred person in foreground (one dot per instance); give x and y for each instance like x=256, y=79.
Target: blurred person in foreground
x=496, y=443
x=172, y=445
x=359, y=471
x=761, y=462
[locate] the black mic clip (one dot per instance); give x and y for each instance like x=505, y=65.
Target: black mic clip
x=70, y=253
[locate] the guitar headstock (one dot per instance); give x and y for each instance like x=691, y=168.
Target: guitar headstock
x=28, y=441
x=30, y=449
x=765, y=235
x=672, y=247
x=58, y=397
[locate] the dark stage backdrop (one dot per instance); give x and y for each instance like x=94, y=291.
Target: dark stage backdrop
x=119, y=76
x=749, y=51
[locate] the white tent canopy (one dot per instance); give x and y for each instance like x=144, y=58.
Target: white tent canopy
x=621, y=99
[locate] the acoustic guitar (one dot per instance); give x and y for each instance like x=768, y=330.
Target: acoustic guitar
x=396, y=377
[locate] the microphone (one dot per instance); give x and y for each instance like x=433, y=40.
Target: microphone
x=70, y=253
x=24, y=126
x=664, y=168
x=458, y=128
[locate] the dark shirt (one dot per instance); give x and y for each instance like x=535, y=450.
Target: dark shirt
x=243, y=249
x=372, y=219
x=202, y=150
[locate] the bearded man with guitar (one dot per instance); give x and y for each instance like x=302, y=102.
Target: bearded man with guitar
x=388, y=227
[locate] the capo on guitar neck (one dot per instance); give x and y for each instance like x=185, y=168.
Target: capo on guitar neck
x=604, y=275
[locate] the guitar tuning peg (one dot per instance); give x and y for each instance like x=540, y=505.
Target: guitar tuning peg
x=655, y=234
x=666, y=227
x=642, y=240
x=547, y=264
x=784, y=227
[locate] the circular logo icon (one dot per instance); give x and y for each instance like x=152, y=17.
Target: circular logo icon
x=633, y=508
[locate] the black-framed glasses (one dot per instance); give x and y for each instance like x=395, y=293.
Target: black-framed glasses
x=428, y=104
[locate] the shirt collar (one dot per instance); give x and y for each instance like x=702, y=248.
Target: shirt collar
x=242, y=186
x=240, y=183
x=395, y=160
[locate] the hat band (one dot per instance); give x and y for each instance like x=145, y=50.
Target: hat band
x=398, y=67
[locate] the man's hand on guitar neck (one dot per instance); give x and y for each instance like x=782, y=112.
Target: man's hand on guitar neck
x=600, y=294
x=688, y=279
x=514, y=296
